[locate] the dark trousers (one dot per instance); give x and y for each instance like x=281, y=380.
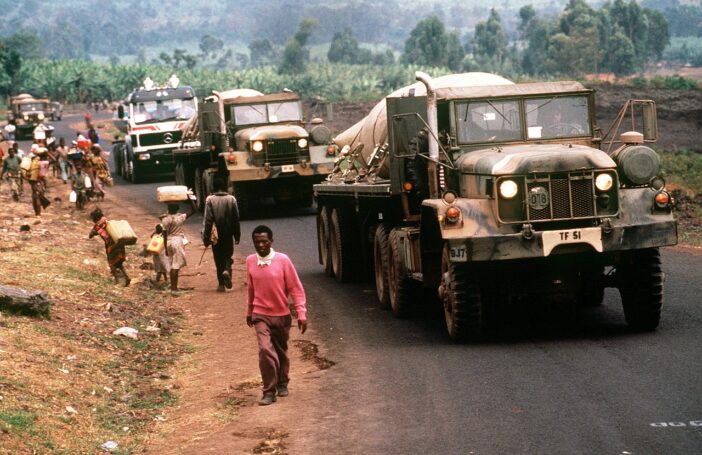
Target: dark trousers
x=272, y=333
x=222, y=252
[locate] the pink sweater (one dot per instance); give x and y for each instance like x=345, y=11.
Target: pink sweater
x=270, y=285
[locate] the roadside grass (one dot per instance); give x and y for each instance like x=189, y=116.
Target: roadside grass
x=67, y=385
x=683, y=173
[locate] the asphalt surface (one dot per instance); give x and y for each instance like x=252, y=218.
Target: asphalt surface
x=547, y=382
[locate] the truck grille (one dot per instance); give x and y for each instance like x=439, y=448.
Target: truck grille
x=571, y=196
x=282, y=152
x=160, y=138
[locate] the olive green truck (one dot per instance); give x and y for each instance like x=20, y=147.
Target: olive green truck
x=485, y=192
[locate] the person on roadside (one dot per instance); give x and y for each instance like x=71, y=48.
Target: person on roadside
x=37, y=167
x=271, y=279
x=160, y=261
x=62, y=157
x=221, y=230
x=174, y=237
x=78, y=185
x=116, y=254
x=99, y=171
x=11, y=170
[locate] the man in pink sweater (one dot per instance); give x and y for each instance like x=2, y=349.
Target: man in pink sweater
x=271, y=278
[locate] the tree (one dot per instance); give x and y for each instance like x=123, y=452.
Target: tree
x=658, y=35
x=210, y=45
x=261, y=52
x=427, y=44
x=11, y=66
x=490, y=41
x=25, y=43
x=454, y=52
x=621, y=54
x=344, y=47
x=526, y=14
x=295, y=55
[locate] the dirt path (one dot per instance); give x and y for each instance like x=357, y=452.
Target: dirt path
x=219, y=382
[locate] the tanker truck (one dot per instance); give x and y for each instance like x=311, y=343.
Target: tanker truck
x=472, y=192
x=258, y=144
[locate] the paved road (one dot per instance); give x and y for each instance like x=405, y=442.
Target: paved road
x=549, y=384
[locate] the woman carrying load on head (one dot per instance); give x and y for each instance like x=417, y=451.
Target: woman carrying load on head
x=174, y=236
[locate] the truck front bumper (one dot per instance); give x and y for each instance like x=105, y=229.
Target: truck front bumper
x=539, y=244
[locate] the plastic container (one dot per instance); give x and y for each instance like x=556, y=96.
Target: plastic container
x=121, y=232
x=73, y=197
x=156, y=245
x=172, y=193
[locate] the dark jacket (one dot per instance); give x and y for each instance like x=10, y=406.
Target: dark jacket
x=221, y=209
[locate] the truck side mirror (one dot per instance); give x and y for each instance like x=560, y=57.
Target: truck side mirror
x=650, y=122
x=120, y=111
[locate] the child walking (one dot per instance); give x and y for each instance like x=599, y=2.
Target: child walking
x=161, y=264
x=116, y=254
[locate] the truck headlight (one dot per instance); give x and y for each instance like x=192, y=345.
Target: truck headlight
x=40, y=116
x=508, y=189
x=453, y=214
x=603, y=182
x=257, y=146
x=26, y=117
x=143, y=156
x=302, y=143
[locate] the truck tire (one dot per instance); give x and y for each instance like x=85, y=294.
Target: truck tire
x=199, y=190
x=123, y=164
x=402, y=289
x=343, y=244
x=460, y=294
x=381, y=260
x=134, y=175
x=323, y=240
x=640, y=278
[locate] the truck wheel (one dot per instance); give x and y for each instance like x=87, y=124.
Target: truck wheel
x=179, y=174
x=343, y=245
x=323, y=240
x=134, y=175
x=460, y=294
x=200, y=195
x=641, y=286
x=381, y=259
x=401, y=288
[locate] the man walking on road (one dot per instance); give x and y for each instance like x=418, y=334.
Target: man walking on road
x=222, y=231
x=271, y=278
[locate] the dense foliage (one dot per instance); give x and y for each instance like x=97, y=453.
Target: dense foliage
x=82, y=81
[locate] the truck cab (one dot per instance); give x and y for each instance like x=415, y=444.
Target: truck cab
x=26, y=112
x=151, y=119
x=259, y=144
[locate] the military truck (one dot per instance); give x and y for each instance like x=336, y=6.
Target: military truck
x=258, y=144
x=151, y=118
x=26, y=112
x=487, y=193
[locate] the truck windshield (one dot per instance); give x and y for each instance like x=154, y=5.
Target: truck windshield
x=267, y=113
x=163, y=110
x=557, y=117
x=32, y=107
x=488, y=121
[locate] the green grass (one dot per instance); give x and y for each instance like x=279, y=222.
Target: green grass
x=19, y=420
x=683, y=169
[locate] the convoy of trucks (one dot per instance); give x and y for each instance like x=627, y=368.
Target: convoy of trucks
x=483, y=193
x=151, y=118
x=259, y=144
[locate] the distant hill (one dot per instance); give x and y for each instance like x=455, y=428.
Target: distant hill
x=78, y=28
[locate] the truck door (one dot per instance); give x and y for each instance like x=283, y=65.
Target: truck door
x=212, y=138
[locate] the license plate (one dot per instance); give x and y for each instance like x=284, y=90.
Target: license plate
x=591, y=236
x=458, y=254
x=288, y=168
